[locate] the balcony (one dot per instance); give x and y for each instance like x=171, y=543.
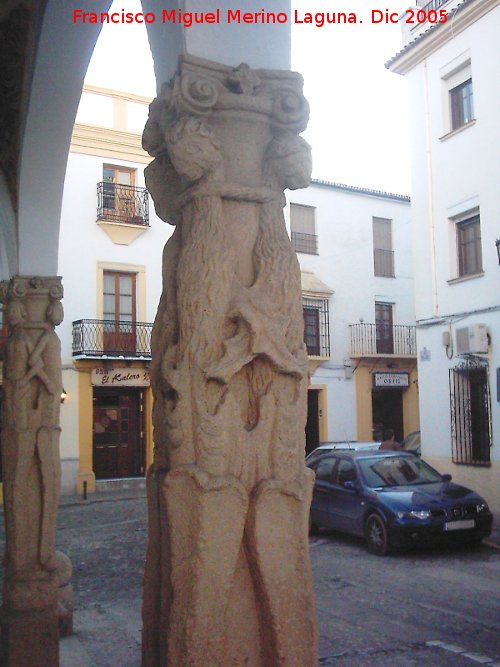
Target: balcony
x=380, y=340
x=123, y=204
x=107, y=338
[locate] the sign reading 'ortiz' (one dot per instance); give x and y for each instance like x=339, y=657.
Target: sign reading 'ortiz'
x=390, y=380
x=121, y=377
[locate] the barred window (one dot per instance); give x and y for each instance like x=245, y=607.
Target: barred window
x=470, y=413
x=316, y=326
x=303, y=229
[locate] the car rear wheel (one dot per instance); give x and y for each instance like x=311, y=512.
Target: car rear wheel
x=376, y=535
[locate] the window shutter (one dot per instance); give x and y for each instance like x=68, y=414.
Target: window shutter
x=302, y=219
x=382, y=234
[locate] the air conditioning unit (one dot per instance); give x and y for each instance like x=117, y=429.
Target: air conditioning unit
x=472, y=340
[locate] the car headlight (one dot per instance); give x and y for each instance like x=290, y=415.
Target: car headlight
x=482, y=508
x=414, y=514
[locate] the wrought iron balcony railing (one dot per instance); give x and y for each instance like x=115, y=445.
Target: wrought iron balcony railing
x=107, y=338
x=122, y=203
x=381, y=339
x=433, y=4
x=307, y=243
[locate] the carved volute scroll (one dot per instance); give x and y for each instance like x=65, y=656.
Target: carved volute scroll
x=228, y=490
x=31, y=465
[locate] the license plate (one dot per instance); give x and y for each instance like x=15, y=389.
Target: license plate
x=460, y=525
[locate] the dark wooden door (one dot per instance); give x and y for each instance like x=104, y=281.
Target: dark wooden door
x=117, y=434
x=387, y=411
x=384, y=330
x=119, y=334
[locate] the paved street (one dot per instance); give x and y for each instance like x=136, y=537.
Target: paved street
x=423, y=608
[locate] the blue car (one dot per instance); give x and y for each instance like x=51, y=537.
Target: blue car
x=394, y=500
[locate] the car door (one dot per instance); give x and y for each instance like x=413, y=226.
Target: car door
x=324, y=470
x=344, y=506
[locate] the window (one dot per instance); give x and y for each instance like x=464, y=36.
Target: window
x=118, y=200
x=457, y=91
x=383, y=254
x=461, y=102
x=119, y=311
x=469, y=246
x=470, y=413
x=345, y=472
x=113, y=178
x=383, y=328
x=303, y=229
x=325, y=469
x=316, y=327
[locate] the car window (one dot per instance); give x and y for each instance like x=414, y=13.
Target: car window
x=324, y=469
x=397, y=471
x=346, y=472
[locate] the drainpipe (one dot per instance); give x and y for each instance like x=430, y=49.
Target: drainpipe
x=430, y=190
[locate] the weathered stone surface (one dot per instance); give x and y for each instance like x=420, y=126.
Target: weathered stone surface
x=36, y=577
x=228, y=578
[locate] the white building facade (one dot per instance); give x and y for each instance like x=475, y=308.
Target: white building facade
x=110, y=235
x=452, y=73
x=354, y=249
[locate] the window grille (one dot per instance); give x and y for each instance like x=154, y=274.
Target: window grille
x=470, y=411
x=316, y=326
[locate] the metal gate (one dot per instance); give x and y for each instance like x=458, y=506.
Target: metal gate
x=470, y=411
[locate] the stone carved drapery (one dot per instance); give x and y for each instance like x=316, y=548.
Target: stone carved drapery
x=37, y=577
x=227, y=579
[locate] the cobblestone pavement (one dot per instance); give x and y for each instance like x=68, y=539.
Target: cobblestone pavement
x=426, y=608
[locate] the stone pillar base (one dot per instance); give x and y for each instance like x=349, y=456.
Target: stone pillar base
x=29, y=638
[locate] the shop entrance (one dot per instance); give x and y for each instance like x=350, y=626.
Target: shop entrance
x=118, y=447
x=312, y=424
x=387, y=411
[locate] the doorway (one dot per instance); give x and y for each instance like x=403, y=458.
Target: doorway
x=312, y=424
x=118, y=447
x=387, y=411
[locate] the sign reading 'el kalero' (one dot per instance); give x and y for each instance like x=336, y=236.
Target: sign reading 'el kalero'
x=390, y=380
x=120, y=377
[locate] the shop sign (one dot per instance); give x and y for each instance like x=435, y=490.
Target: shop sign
x=391, y=380
x=120, y=377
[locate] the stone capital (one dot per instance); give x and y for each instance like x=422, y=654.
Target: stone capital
x=228, y=132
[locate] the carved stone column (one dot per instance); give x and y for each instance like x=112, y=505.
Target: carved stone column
x=228, y=578
x=36, y=592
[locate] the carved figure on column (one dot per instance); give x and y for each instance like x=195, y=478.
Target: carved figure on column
x=30, y=456
x=228, y=490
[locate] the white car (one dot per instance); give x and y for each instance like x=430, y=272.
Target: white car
x=346, y=445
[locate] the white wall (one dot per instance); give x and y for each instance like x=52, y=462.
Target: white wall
x=345, y=264
x=82, y=244
x=450, y=173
